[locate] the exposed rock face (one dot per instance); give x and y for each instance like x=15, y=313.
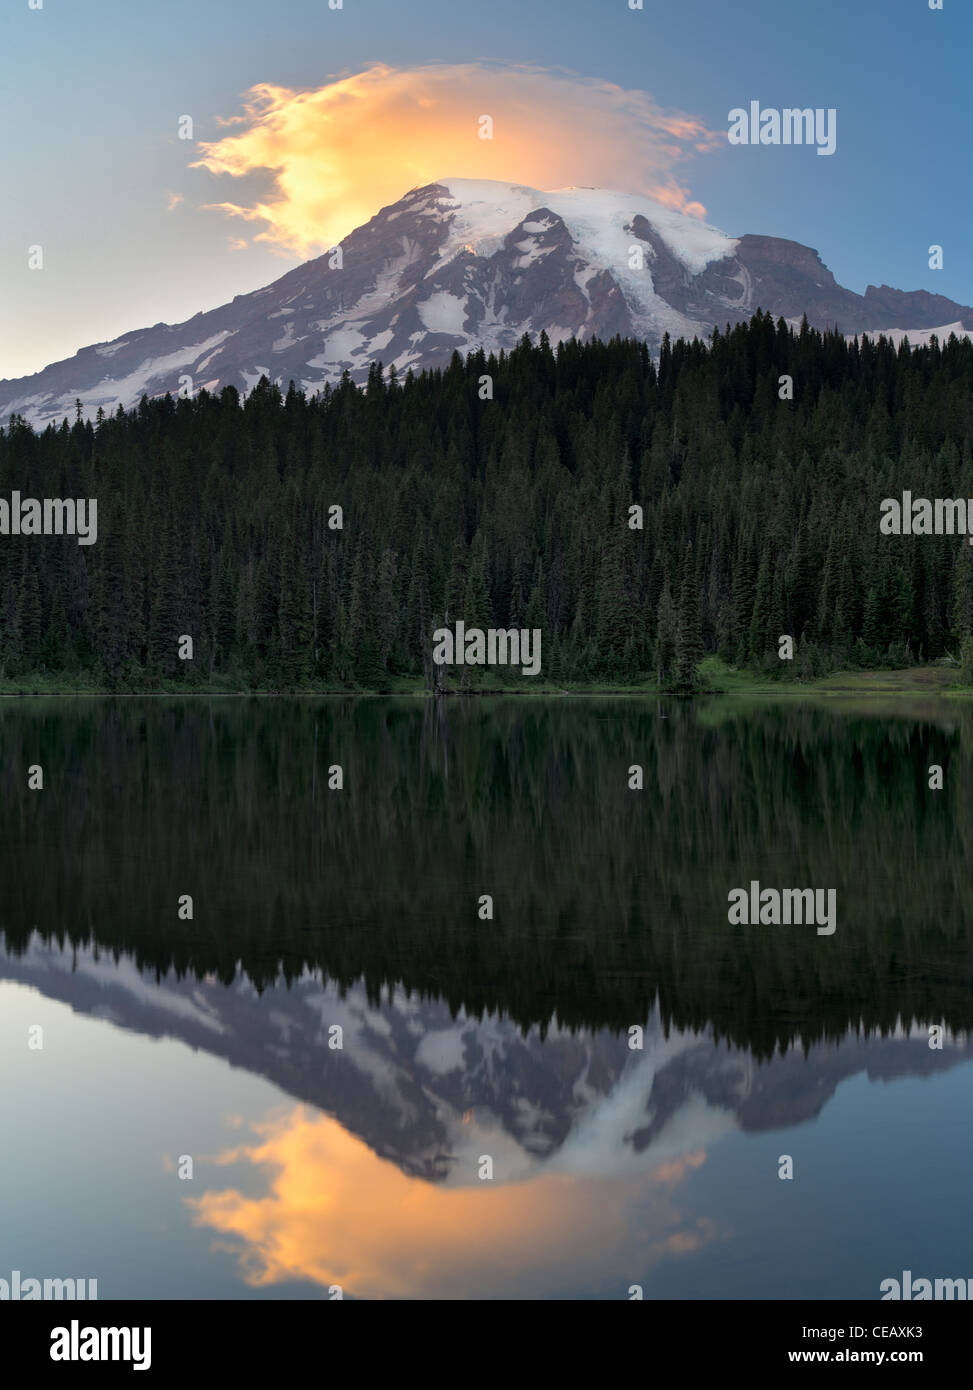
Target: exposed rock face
x=464, y=264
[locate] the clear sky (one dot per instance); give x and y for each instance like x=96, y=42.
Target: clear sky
x=94, y=172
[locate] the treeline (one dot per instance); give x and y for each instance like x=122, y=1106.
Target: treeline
x=499, y=491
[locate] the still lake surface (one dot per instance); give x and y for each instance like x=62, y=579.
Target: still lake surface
x=317, y=908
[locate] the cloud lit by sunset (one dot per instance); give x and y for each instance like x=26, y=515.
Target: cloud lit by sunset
x=335, y=155
x=336, y=1213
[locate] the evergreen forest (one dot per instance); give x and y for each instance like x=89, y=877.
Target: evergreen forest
x=316, y=543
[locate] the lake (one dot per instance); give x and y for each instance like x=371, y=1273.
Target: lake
x=411, y=998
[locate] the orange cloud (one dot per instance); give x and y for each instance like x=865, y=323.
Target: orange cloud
x=675, y=1171
x=335, y=155
x=336, y=1213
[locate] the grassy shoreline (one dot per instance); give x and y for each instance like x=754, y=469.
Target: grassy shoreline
x=717, y=679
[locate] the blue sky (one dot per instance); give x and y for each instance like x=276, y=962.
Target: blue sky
x=92, y=95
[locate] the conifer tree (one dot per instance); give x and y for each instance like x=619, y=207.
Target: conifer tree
x=689, y=637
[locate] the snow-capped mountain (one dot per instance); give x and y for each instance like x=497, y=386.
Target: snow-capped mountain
x=462, y=264
x=421, y=1086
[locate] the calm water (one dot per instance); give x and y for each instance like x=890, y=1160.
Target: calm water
x=317, y=909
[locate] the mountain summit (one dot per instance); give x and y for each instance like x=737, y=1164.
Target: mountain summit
x=462, y=264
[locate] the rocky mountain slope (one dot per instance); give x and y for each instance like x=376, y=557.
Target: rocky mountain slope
x=463, y=264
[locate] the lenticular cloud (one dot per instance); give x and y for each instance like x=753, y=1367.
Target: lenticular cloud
x=335, y=155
